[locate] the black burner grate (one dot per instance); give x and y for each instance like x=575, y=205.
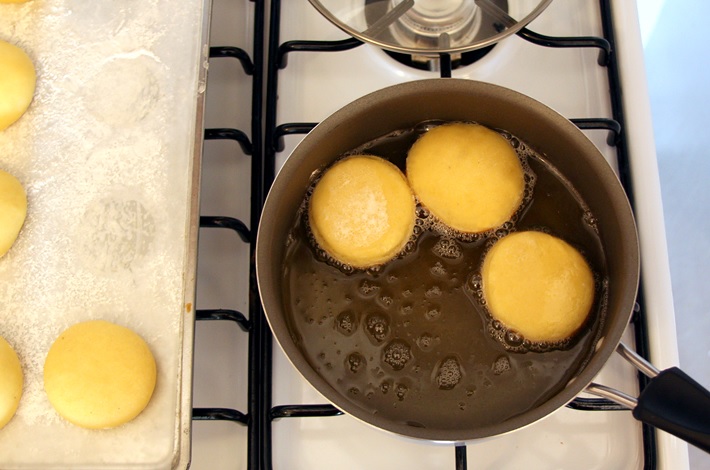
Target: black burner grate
x=265, y=139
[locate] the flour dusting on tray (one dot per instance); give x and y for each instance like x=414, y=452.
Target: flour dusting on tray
x=105, y=153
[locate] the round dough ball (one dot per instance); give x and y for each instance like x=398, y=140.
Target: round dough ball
x=99, y=375
x=467, y=175
x=10, y=382
x=13, y=210
x=17, y=83
x=362, y=211
x=537, y=285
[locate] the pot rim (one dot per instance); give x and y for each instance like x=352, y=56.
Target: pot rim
x=604, y=347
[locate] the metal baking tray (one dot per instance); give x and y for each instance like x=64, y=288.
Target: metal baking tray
x=109, y=154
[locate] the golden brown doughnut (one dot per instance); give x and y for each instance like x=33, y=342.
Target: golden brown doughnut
x=467, y=175
x=362, y=211
x=537, y=285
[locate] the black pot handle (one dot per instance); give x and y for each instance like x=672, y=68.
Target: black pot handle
x=671, y=401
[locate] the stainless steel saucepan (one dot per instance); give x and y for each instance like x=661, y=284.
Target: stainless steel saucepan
x=672, y=401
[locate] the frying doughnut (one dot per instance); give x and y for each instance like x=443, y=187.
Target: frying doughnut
x=537, y=285
x=13, y=210
x=99, y=375
x=10, y=382
x=362, y=211
x=17, y=83
x=467, y=175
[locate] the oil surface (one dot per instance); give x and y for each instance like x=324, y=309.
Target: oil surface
x=412, y=340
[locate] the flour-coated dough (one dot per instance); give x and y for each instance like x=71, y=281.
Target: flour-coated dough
x=99, y=375
x=11, y=382
x=17, y=83
x=362, y=211
x=13, y=210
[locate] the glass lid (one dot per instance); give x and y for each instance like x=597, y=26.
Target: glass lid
x=430, y=26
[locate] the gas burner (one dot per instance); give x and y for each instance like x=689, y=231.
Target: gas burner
x=431, y=25
x=433, y=63
x=436, y=24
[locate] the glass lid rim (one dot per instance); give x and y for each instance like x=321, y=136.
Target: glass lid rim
x=508, y=31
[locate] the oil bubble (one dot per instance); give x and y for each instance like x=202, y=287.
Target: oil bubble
x=346, y=322
x=475, y=284
x=438, y=269
x=448, y=374
x=501, y=365
x=406, y=308
x=589, y=219
x=401, y=391
x=386, y=301
x=385, y=387
x=374, y=270
x=368, y=289
x=499, y=332
x=422, y=213
x=377, y=326
x=433, y=313
x=410, y=246
x=426, y=342
x=432, y=292
x=397, y=354
x=355, y=362
x=513, y=338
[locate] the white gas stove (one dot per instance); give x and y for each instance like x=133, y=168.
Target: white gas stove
x=244, y=387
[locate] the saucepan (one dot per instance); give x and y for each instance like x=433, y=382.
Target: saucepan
x=389, y=347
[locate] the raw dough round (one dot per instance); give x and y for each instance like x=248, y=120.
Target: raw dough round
x=537, y=285
x=13, y=210
x=467, y=175
x=10, y=382
x=17, y=83
x=362, y=211
x=99, y=375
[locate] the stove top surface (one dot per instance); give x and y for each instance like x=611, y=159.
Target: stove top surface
x=311, y=86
